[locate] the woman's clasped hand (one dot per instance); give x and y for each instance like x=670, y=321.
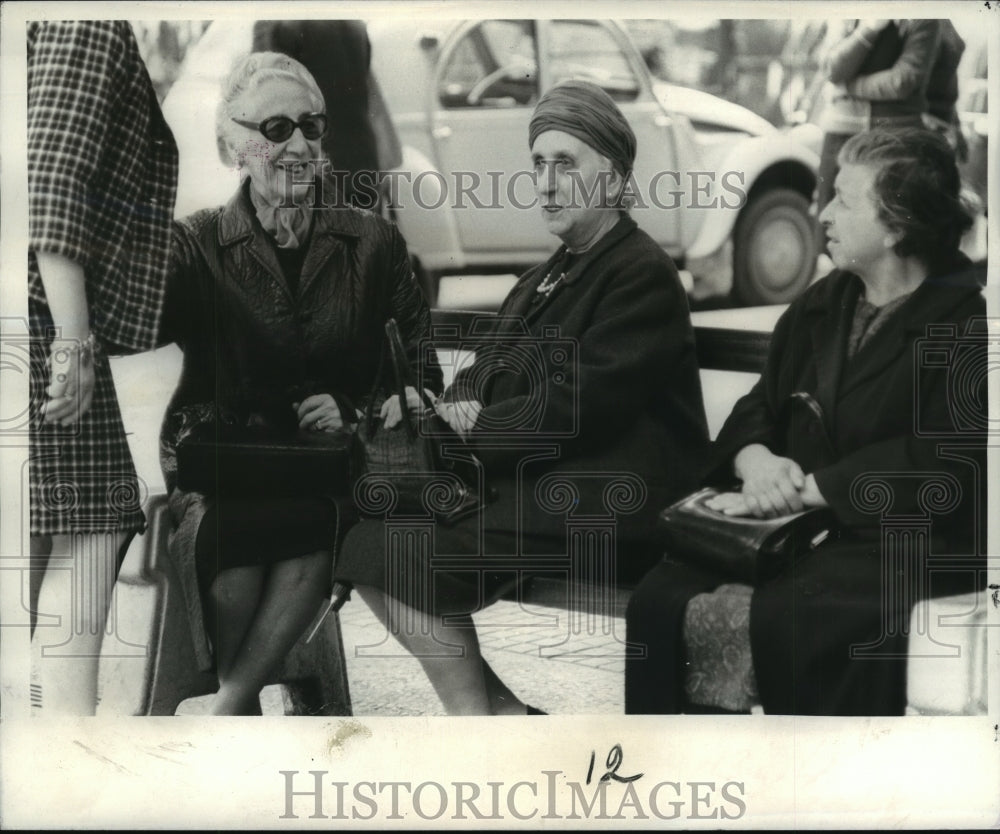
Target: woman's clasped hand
x=319, y=412
x=772, y=486
x=460, y=415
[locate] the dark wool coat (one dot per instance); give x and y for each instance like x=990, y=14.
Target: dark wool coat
x=627, y=398
x=907, y=409
x=596, y=384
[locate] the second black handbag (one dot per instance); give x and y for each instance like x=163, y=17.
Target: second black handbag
x=427, y=464
x=747, y=548
x=740, y=547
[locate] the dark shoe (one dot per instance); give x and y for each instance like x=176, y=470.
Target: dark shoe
x=535, y=711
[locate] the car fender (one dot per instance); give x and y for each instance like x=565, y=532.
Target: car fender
x=736, y=176
x=421, y=204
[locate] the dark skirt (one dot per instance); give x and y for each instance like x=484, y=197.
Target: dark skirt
x=828, y=637
x=442, y=570
x=467, y=566
x=246, y=532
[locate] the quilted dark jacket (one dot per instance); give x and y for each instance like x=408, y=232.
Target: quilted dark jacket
x=251, y=341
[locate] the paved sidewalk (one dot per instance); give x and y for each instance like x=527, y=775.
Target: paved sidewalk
x=583, y=677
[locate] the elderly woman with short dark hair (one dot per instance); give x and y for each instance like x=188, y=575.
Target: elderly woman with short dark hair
x=628, y=403
x=852, y=343
x=279, y=304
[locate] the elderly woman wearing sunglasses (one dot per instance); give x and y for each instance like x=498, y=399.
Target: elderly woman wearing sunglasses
x=278, y=303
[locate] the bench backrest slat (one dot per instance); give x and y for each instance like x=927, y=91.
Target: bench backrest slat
x=718, y=348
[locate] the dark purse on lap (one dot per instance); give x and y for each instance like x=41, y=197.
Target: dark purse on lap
x=225, y=455
x=411, y=455
x=254, y=460
x=740, y=548
x=744, y=548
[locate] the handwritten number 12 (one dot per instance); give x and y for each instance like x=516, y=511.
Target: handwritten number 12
x=613, y=762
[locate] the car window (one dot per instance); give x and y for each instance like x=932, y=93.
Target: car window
x=587, y=50
x=493, y=65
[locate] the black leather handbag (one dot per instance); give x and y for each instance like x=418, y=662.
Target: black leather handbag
x=746, y=548
x=253, y=456
x=411, y=456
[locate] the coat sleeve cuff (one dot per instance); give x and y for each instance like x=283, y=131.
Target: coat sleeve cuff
x=834, y=483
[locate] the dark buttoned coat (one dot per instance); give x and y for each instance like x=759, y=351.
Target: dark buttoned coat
x=604, y=369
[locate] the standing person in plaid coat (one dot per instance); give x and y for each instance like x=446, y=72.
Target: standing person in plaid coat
x=102, y=177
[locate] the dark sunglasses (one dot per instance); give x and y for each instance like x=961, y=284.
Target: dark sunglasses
x=281, y=128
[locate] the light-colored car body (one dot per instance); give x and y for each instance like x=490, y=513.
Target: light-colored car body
x=725, y=193
x=461, y=95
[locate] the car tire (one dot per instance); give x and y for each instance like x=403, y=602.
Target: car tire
x=775, y=249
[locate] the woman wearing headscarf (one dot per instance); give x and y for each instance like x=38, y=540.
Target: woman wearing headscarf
x=278, y=303
x=827, y=636
x=623, y=399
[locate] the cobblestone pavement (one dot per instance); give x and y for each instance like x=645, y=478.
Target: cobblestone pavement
x=525, y=645
x=583, y=677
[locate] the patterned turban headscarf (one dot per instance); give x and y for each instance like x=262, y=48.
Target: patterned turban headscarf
x=587, y=112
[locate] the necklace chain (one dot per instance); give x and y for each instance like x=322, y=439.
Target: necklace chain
x=549, y=283
x=552, y=280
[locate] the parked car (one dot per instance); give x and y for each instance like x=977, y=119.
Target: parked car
x=723, y=191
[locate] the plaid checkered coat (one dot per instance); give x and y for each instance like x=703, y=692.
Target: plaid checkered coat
x=102, y=177
x=102, y=172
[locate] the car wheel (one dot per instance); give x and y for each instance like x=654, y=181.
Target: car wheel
x=775, y=248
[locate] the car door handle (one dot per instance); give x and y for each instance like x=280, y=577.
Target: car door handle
x=441, y=132
x=662, y=120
